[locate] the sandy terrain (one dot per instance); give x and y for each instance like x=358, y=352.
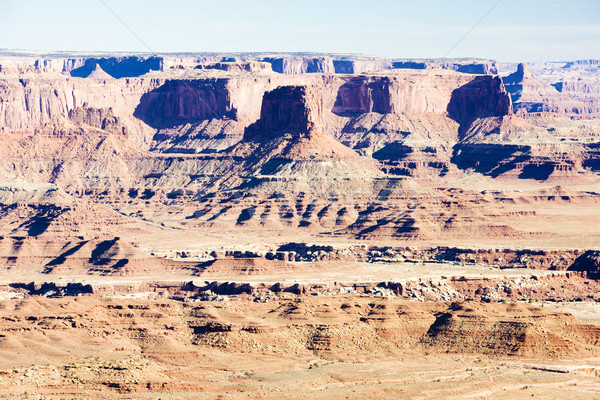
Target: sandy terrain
x=85, y=347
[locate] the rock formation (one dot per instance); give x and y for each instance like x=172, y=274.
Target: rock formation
x=100, y=118
x=483, y=97
x=360, y=65
x=248, y=66
x=290, y=137
x=353, y=211
x=529, y=95
x=306, y=151
x=289, y=109
x=290, y=65
x=504, y=330
x=479, y=67
x=98, y=74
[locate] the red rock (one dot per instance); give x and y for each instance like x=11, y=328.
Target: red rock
x=289, y=109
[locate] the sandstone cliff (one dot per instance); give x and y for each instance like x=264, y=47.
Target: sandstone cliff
x=479, y=67
x=99, y=74
x=367, y=156
x=361, y=65
x=484, y=96
x=289, y=109
x=529, y=95
x=291, y=65
x=290, y=138
x=33, y=100
x=117, y=67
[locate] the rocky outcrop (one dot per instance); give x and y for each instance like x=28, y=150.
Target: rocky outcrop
x=289, y=139
x=484, y=96
x=588, y=262
x=289, y=109
x=512, y=330
x=100, y=118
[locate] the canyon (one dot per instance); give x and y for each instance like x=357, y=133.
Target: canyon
x=179, y=215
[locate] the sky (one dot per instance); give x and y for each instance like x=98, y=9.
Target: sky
x=510, y=31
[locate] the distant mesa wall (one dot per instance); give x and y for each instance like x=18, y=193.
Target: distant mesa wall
x=120, y=67
x=248, y=66
x=583, y=64
x=530, y=95
x=295, y=65
x=577, y=87
x=287, y=64
x=479, y=67
x=291, y=65
x=117, y=67
x=361, y=66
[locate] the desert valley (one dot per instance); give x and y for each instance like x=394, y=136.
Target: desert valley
x=269, y=225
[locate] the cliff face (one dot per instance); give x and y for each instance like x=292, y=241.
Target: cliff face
x=248, y=66
x=291, y=109
x=30, y=101
x=363, y=95
x=397, y=93
x=26, y=103
x=479, y=67
x=117, y=67
x=100, y=118
x=177, y=102
x=200, y=115
x=529, y=95
x=411, y=122
x=290, y=140
x=361, y=66
x=484, y=96
x=290, y=65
